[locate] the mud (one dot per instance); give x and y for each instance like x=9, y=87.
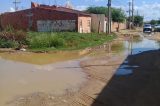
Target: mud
x=43, y=58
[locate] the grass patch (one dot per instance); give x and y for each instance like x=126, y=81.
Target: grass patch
x=39, y=41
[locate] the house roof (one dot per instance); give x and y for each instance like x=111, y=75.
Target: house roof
x=59, y=8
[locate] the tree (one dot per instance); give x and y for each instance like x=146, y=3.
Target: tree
x=118, y=15
x=97, y=10
x=158, y=21
x=153, y=22
x=138, y=20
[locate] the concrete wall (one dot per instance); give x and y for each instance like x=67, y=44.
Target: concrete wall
x=121, y=26
x=84, y=24
x=56, y=25
x=98, y=23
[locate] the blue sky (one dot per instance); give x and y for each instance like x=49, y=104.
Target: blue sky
x=150, y=9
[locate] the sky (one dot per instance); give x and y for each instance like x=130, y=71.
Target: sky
x=150, y=9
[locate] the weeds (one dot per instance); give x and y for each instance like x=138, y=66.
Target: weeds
x=65, y=40
x=11, y=38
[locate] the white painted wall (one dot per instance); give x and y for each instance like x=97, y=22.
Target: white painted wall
x=56, y=25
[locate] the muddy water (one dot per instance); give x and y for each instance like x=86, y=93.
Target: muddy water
x=43, y=58
x=18, y=79
x=26, y=73
x=136, y=46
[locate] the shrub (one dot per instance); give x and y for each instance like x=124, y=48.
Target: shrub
x=8, y=44
x=44, y=40
x=13, y=37
x=65, y=40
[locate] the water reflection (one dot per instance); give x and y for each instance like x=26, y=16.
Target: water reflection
x=134, y=46
x=141, y=46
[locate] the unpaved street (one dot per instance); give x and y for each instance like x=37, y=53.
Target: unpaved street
x=100, y=79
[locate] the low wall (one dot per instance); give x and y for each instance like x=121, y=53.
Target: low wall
x=121, y=26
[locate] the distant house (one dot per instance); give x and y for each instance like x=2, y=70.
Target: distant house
x=99, y=23
x=44, y=18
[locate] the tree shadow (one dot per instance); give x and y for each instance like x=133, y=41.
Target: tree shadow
x=141, y=88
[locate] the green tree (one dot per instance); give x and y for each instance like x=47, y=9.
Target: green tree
x=118, y=15
x=138, y=20
x=158, y=21
x=153, y=22
x=97, y=10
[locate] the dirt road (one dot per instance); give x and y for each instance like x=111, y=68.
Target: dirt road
x=103, y=87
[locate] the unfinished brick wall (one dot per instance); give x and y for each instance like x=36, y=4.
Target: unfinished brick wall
x=27, y=19
x=18, y=20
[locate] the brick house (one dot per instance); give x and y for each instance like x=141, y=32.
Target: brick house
x=44, y=18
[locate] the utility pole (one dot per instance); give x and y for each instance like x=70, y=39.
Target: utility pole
x=132, y=13
x=109, y=17
x=15, y=4
x=129, y=15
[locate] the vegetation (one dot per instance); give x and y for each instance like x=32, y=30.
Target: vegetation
x=118, y=15
x=97, y=10
x=138, y=20
x=154, y=22
x=10, y=38
x=65, y=40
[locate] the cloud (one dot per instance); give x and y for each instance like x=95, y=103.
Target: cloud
x=148, y=10
x=98, y=0
x=81, y=7
x=12, y=9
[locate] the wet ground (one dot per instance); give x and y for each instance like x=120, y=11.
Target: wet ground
x=19, y=79
x=55, y=74
x=43, y=58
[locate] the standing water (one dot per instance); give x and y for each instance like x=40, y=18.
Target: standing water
x=136, y=46
x=31, y=74
x=18, y=79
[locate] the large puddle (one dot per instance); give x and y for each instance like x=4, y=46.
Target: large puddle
x=18, y=79
x=43, y=58
x=135, y=46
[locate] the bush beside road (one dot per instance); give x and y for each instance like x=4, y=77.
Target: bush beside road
x=45, y=41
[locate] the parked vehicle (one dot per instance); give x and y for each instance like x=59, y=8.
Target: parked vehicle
x=147, y=28
x=157, y=28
